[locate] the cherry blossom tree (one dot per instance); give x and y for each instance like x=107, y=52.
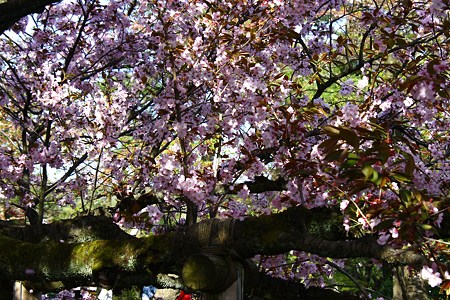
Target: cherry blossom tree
x=307, y=140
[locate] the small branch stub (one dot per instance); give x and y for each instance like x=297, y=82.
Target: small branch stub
x=209, y=273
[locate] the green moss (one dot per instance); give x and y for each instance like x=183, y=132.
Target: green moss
x=101, y=254
x=53, y=261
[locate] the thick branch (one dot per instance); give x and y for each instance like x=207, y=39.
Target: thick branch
x=81, y=229
x=298, y=229
x=12, y=11
x=101, y=261
x=97, y=262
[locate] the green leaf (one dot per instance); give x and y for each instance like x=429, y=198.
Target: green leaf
x=368, y=171
x=405, y=196
x=331, y=130
x=383, y=181
x=400, y=177
x=418, y=195
x=352, y=160
x=429, y=227
x=410, y=165
x=372, y=175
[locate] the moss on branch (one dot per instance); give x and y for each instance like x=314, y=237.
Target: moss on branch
x=93, y=262
x=78, y=262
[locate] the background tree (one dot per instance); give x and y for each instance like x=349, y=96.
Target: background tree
x=262, y=118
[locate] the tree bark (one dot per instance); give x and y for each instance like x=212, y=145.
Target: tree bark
x=408, y=284
x=12, y=11
x=129, y=261
x=81, y=229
